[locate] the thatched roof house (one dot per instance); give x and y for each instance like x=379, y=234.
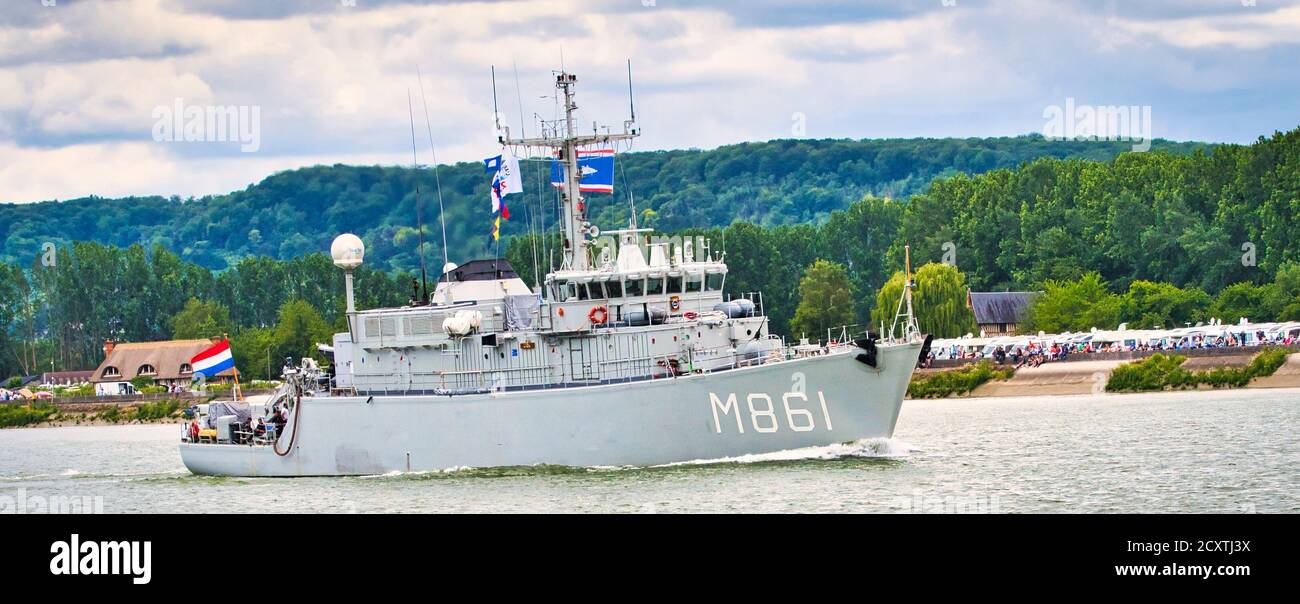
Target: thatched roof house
x=167, y=363
x=999, y=313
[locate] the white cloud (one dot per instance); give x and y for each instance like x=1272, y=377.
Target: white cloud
x=78, y=84
x=1251, y=28
x=145, y=168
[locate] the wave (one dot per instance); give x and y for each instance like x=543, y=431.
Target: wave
x=75, y=474
x=882, y=448
x=869, y=448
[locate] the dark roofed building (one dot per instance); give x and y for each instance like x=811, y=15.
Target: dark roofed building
x=999, y=313
x=481, y=270
x=66, y=378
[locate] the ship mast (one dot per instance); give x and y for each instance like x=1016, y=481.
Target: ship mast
x=566, y=143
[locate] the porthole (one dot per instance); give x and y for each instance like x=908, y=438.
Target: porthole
x=749, y=332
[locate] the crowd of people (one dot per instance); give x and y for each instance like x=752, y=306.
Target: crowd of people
x=1036, y=351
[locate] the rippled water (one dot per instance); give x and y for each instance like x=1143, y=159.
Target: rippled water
x=1227, y=451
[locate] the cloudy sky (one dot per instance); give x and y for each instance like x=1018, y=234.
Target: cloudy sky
x=86, y=86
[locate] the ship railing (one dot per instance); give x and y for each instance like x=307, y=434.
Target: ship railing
x=641, y=367
x=842, y=335
x=757, y=298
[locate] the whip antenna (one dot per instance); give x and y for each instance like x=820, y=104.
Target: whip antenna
x=419, y=215
x=442, y=216
x=630, y=105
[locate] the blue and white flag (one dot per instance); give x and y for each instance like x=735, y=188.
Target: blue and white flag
x=595, y=171
x=505, y=181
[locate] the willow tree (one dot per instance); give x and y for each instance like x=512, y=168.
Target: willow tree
x=938, y=299
x=825, y=300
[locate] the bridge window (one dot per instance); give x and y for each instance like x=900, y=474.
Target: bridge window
x=674, y=285
x=634, y=287
x=589, y=291
x=654, y=285
x=565, y=291
x=614, y=289
x=694, y=282
x=714, y=282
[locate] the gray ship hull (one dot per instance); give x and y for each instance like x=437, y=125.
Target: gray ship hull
x=779, y=406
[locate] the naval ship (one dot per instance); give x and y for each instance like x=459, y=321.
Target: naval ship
x=631, y=356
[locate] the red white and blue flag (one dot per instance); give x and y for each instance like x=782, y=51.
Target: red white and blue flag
x=214, y=360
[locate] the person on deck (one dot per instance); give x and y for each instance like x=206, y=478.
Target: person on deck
x=279, y=420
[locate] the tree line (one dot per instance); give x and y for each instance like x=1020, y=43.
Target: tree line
x=1157, y=238
x=297, y=212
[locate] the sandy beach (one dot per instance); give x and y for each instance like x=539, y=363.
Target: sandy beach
x=1089, y=377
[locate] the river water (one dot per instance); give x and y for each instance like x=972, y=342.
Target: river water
x=1207, y=451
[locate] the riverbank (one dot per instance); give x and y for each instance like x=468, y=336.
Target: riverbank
x=89, y=419
x=1090, y=377
x=47, y=415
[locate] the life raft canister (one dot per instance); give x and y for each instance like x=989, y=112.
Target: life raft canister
x=598, y=315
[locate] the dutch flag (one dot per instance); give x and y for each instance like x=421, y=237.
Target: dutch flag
x=214, y=360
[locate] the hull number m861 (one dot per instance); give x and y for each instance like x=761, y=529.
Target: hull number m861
x=763, y=412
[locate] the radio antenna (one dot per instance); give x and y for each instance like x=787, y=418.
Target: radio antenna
x=630, y=105
x=442, y=216
x=523, y=130
x=496, y=113
x=419, y=214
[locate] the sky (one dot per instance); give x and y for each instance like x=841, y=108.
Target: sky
x=91, y=91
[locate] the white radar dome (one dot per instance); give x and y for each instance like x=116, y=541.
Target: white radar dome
x=348, y=251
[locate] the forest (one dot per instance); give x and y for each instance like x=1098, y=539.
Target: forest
x=298, y=212
x=1181, y=234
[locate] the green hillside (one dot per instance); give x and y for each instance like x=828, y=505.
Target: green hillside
x=298, y=212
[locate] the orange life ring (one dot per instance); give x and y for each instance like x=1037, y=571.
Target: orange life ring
x=598, y=315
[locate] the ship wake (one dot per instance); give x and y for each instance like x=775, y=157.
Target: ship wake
x=882, y=448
